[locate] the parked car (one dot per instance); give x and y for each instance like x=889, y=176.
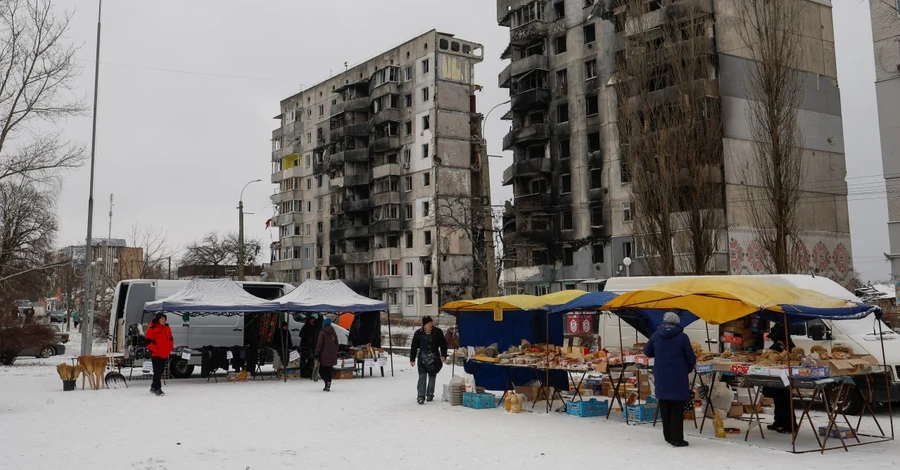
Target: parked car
x=48, y=350
x=57, y=317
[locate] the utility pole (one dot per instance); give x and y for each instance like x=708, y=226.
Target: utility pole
x=490, y=245
x=87, y=329
x=241, y=255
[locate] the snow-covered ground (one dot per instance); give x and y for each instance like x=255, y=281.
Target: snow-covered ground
x=371, y=423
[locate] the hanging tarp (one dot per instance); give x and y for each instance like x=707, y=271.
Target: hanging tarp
x=590, y=302
x=513, y=302
x=721, y=300
x=212, y=297
x=328, y=296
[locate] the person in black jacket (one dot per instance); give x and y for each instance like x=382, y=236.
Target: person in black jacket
x=781, y=396
x=308, y=338
x=429, y=346
x=282, y=345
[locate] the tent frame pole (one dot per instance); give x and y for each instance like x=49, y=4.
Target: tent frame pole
x=787, y=347
x=390, y=340
x=887, y=377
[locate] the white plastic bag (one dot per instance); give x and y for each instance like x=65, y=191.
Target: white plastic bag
x=721, y=397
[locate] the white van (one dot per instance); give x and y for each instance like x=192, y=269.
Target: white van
x=211, y=330
x=860, y=335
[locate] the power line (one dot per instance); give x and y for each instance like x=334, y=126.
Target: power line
x=189, y=72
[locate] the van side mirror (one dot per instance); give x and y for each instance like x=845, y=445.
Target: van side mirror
x=817, y=332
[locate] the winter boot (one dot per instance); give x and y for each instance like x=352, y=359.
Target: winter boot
x=420, y=401
x=159, y=392
x=327, y=386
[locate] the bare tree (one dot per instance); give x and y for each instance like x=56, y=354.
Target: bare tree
x=156, y=251
x=37, y=72
x=27, y=229
x=214, y=250
x=670, y=132
x=467, y=217
x=774, y=175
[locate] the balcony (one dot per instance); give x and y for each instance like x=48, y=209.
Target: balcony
x=386, y=254
x=336, y=260
x=389, y=169
x=356, y=180
x=387, y=226
x=387, y=282
x=351, y=155
x=357, y=257
x=526, y=168
x=523, y=66
x=529, y=201
x=537, y=29
x=293, y=195
x=385, y=198
x=530, y=237
x=291, y=241
x=336, y=233
x=289, y=218
x=527, y=134
x=357, y=231
x=356, y=206
x=595, y=159
x=358, y=129
x=505, y=76
x=357, y=104
x=536, y=98
x=386, y=144
x=387, y=88
x=385, y=115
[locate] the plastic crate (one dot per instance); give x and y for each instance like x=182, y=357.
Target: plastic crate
x=640, y=413
x=587, y=409
x=479, y=401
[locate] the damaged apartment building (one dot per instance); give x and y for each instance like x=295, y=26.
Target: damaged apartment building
x=571, y=223
x=366, y=161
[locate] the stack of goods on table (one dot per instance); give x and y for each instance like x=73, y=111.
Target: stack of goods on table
x=817, y=363
x=543, y=356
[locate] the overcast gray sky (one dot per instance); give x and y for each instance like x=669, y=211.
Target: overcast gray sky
x=188, y=90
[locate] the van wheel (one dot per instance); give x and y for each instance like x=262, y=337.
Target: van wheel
x=854, y=403
x=180, y=368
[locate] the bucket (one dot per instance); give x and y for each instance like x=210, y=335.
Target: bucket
x=68, y=385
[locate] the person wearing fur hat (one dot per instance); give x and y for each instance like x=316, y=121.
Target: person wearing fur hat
x=675, y=359
x=429, y=345
x=160, y=343
x=327, y=353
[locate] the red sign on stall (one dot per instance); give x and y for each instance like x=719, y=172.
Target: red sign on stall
x=579, y=323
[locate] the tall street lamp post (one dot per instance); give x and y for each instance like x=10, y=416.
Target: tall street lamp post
x=241, y=255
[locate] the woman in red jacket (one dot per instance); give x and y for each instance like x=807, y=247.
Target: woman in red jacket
x=159, y=342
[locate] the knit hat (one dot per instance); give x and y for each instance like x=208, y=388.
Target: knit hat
x=327, y=322
x=671, y=318
x=426, y=320
x=159, y=316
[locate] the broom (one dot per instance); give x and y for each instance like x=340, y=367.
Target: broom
x=67, y=372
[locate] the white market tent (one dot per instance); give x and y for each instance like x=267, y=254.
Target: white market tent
x=212, y=297
x=328, y=296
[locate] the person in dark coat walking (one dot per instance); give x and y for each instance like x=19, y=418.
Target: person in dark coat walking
x=781, y=396
x=282, y=343
x=327, y=353
x=675, y=359
x=308, y=338
x=429, y=345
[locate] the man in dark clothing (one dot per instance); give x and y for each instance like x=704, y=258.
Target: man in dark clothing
x=429, y=345
x=308, y=340
x=675, y=360
x=327, y=353
x=282, y=345
x=781, y=396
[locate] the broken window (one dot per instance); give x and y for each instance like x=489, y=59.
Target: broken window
x=540, y=257
x=562, y=113
x=426, y=94
x=408, y=185
x=590, y=69
x=425, y=66
x=560, y=9
x=535, y=151
x=566, y=220
x=564, y=152
x=625, y=171
x=596, y=178
x=409, y=212
x=626, y=212
x=565, y=184
x=409, y=235
x=597, y=253
x=559, y=44
x=590, y=34
x=409, y=73
x=425, y=153
x=426, y=265
x=592, y=105
x=426, y=122
x=407, y=127
x=429, y=295
x=562, y=82
x=597, y=216
x=426, y=179
x=408, y=98
x=568, y=256
x=427, y=237
x=594, y=142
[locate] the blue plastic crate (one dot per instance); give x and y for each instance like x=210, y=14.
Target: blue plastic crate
x=587, y=409
x=640, y=413
x=479, y=401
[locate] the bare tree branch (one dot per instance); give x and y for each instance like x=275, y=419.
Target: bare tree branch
x=773, y=178
x=155, y=251
x=37, y=73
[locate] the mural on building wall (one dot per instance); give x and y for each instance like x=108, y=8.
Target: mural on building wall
x=824, y=254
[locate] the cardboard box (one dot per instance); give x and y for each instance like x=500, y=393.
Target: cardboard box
x=857, y=364
x=340, y=374
x=736, y=411
x=838, y=432
x=532, y=392
x=750, y=409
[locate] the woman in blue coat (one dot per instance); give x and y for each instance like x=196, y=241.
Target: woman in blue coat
x=675, y=360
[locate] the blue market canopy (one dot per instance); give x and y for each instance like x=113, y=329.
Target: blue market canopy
x=212, y=297
x=589, y=301
x=328, y=296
